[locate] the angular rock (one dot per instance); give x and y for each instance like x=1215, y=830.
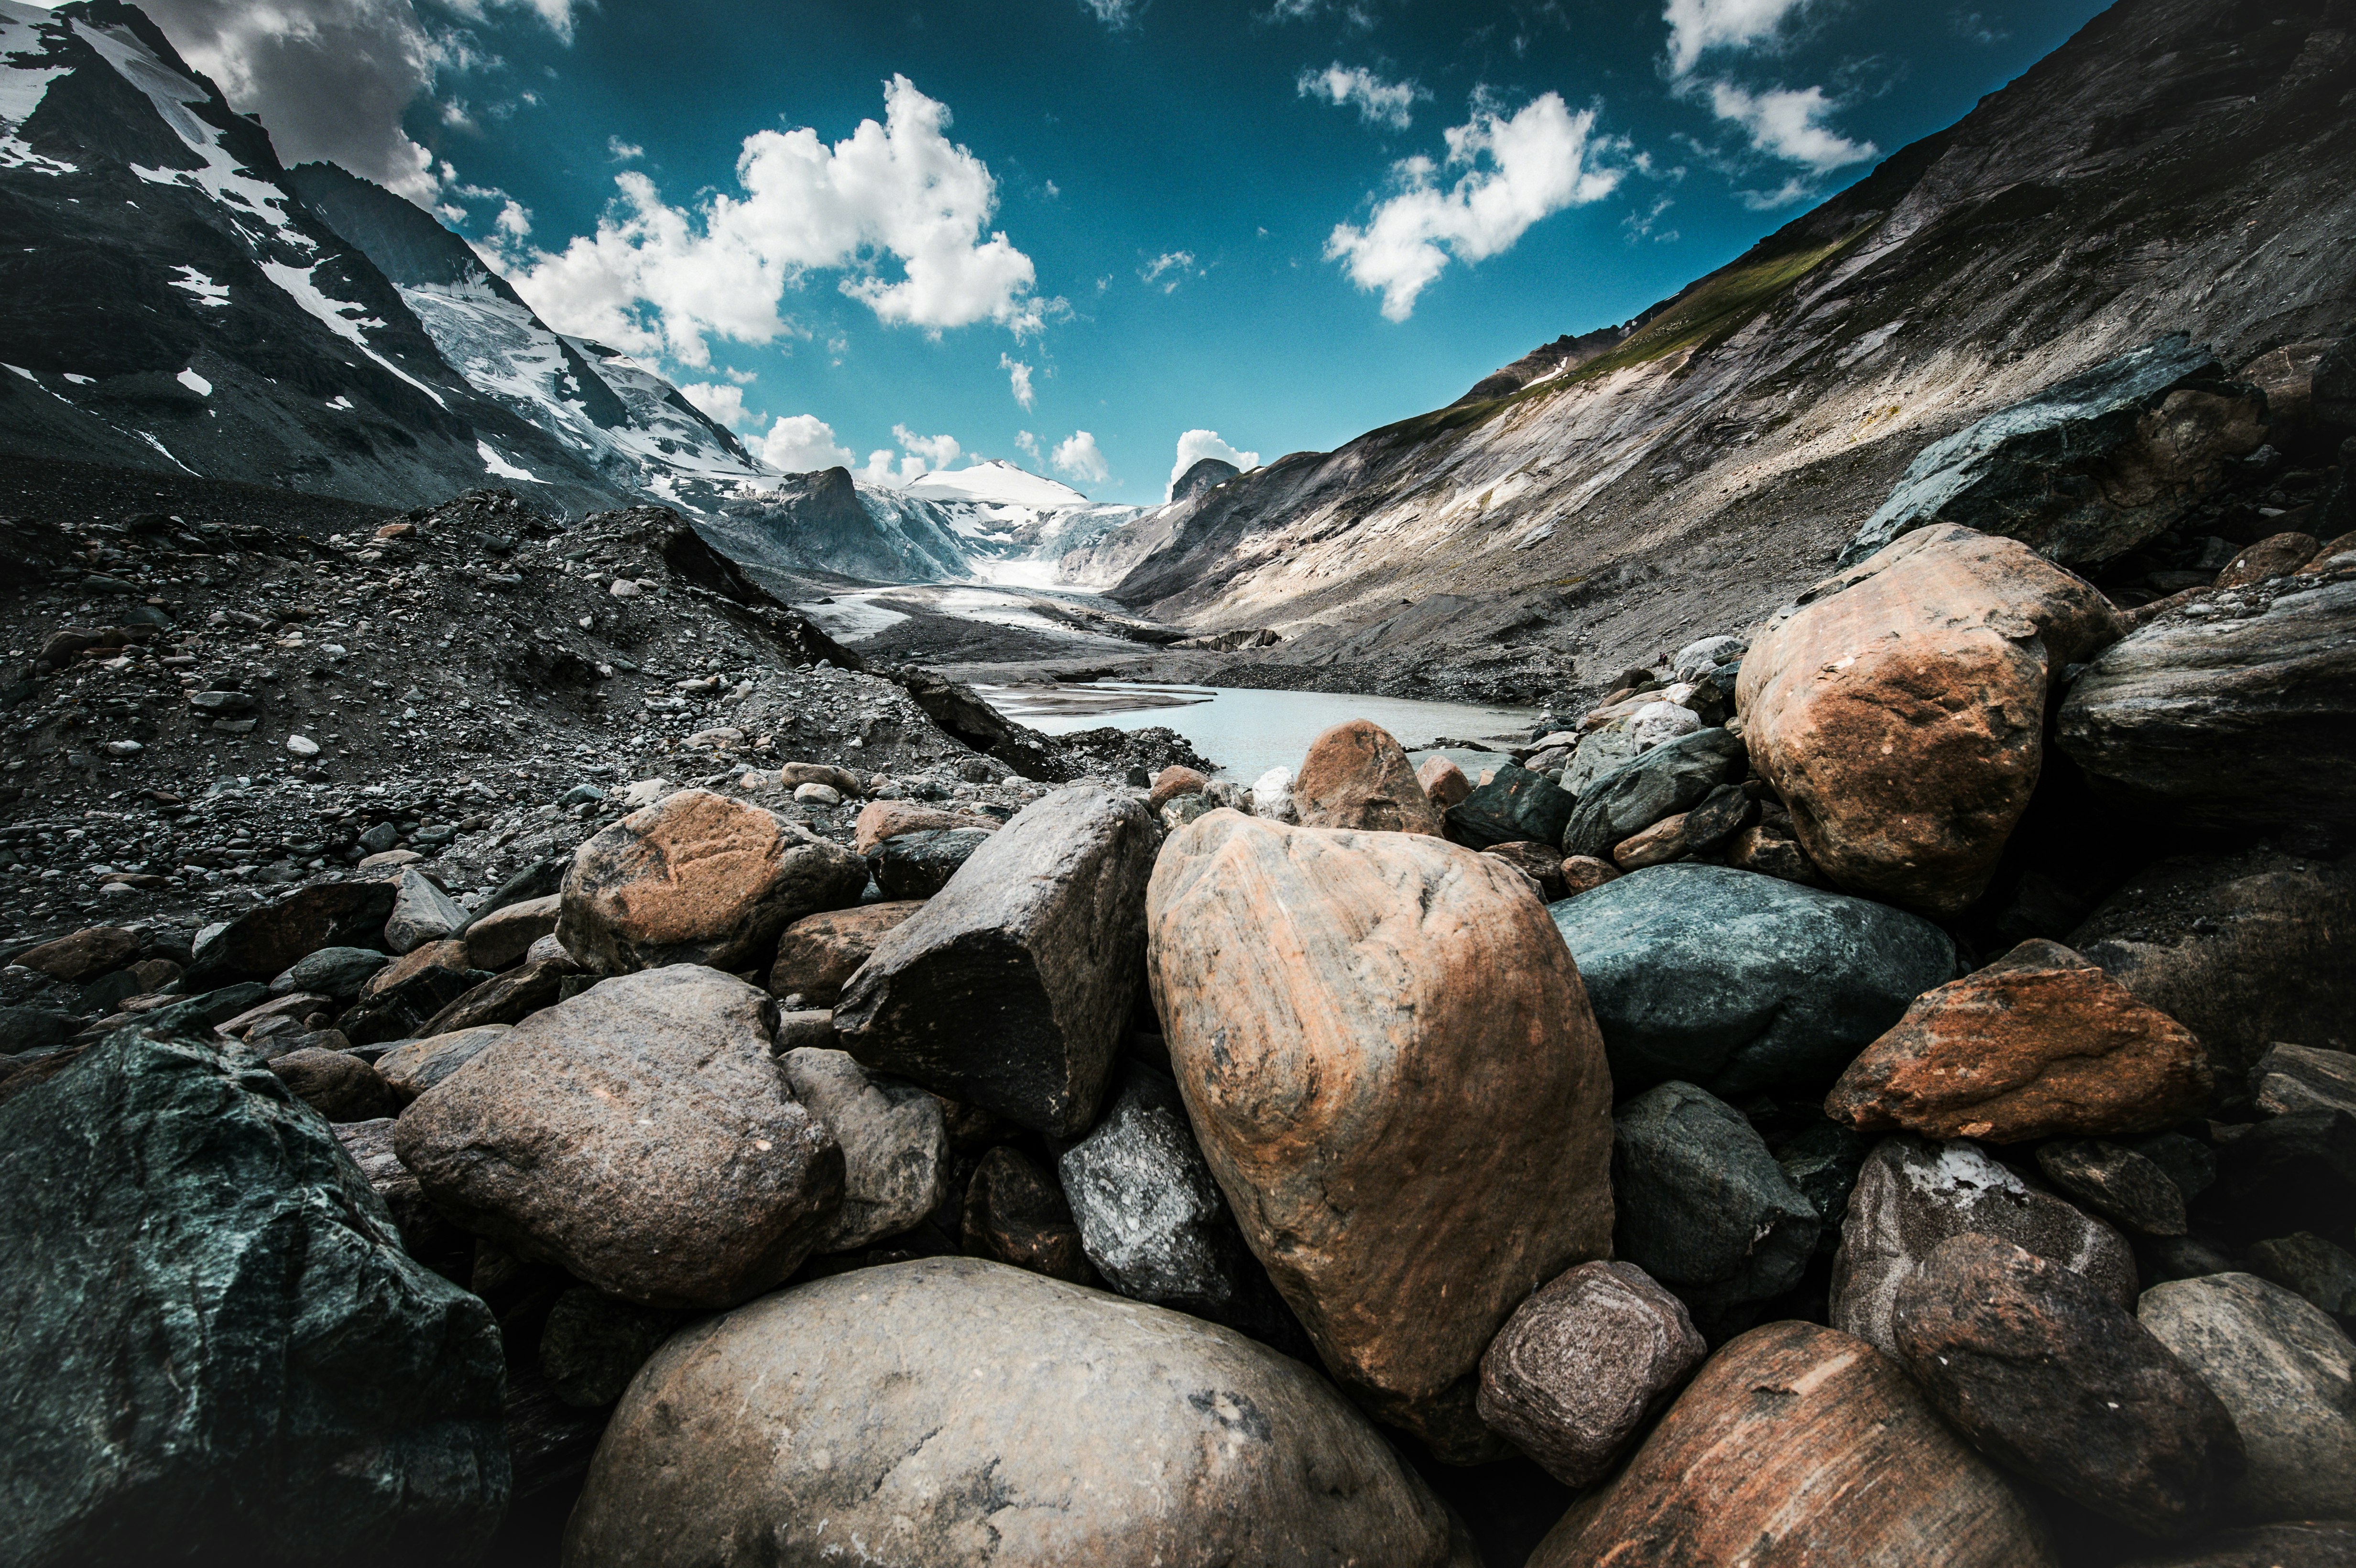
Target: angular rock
x=1356, y=776
x=1899, y=709
x=2039, y=1044
x=399, y=1001
x=537, y=880
x=914, y=866
x=1585, y=873
x=505, y=999
x=1185, y=810
x=1514, y=806
x=1173, y=782
x=1668, y=779
x=1771, y=854
x=83, y=955
x=1149, y=1212
x=1369, y=1028
x=883, y=819
x=2305, y=1262
x=426, y=1233
x=1799, y=1444
x=1017, y=1215
x=2292, y=1078
x=2115, y=1182
x=217, y=1350
x=1271, y=796
x=422, y=912
x=338, y=972
x=1822, y=1161
x=2045, y=1375
x=637, y=1137
x=1011, y=987
x=341, y=1088
x=2287, y=1375
x=2278, y=555
x=499, y=940
x=1661, y=844
x=267, y=941
x=412, y=1069
x=1703, y=1207
x=1443, y=782
x=1739, y=982
x=698, y=879
x=819, y=953
x=1913, y=1195
x=735, y=1447
x=894, y=1142
x=1585, y=1362
x=1541, y=863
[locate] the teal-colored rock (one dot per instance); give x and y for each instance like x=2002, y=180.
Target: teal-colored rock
x=1515, y=807
x=212, y=1347
x=1674, y=777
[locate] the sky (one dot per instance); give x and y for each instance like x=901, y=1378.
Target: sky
x=1100, y=238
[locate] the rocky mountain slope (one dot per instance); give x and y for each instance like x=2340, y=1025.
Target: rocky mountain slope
x=2179, y=167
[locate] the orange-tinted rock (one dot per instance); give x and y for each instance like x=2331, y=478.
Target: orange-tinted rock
x=2039, y=1044
x=1898, y=711
x=449, y=954
x=90, y=951
x=1769, y=853
x=1173, y=782
x=499, y=940
x=1388, y=1058
x=820, y=952
x=882, y=820
x=1801, y=1447
x=843, y=781
x=1585, y=873
x=1542, y=863
x=1657, y=845
x=2278, y=555
x=1356, y=776
x=1443, y=782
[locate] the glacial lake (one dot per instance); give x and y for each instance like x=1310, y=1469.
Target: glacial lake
x=1246, y=733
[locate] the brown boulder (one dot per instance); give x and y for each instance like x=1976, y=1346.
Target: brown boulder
x=1016, y=1215
x=505, y=999
x=1173, y=782
x=499, y=940
x=1771, y=854
x=418, y=1066
x=1356, y=776
x=93, y=951
x=1541, y=863
x=340, y=1087
x=2039, y=1044
x=638, y=1136
x=843, y=781
x=450, y=955
x=1443, y=782
x=696, y=878
x=819, y=953
x=1658, y=844
x=1585, y=873
x=1898, y=710
x=2278, y=555
x=882, y=820
x=1801, y=1447
x=1388, y=1058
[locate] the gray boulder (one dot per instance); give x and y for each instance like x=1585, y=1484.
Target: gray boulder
x=2292, y=1078
x=264, y=942
x=1515, y=807
x=1149, y=1214
x=951, y=1411
x=895, y=1145
x=1740, y=982
x=422, y=912
x=215, y=1348
x=918, y=865
x=1672, y=777
x=338, y=972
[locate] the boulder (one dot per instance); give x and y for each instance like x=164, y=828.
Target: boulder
x=1514, y=806
x=1913, y=1195
x=1000, y=1418
x=2047, y=1375
x=883, y=819
x=1356, y=776
x=399, y=1001
x=507, y=998
x=217, y=1350
x=1768, y=852
x=339, y=1086
x=819, y=953
x=2287, y=1375
x=266, y=941
x=2090, y=467
x=1541, y=863
x=637, y=1137
x=1704, y=1207
x=910, y=867
x=426, y=1233
x=422, y=912
x=698, y=879
x=1583, y=1364
x=1798, y=1445
x=2121, y=1185
x=1739, y=982
x=592, y=1345
x=2235, y=711
x=499, y=940
x=1173, y=782
x=843, y=781
x=1018, y=1215
x=2039, y=1044
x=1584, y=874
x=2293, y=1077
x=894, y=1142
x=539, y=880
x=1389, y=1061
x=1443, y=782
x=2305, y=1262
x=85, y=956
x=1185, y=810
x=2276, y=555
x=338, y=972
x=1899, y=709
x=1271, y=796
x=1011, y=987
x=413, y=1068
x=1668, y=779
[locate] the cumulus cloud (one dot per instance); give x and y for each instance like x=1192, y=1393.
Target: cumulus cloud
x=896, y=195
x=1172, y=265
x=623, y=152
x=1077, y=457
x=1018, y=376
x=1115, y=14
x=801, y=444
x=1378, y=102
x=1516, y=171
x=1789, y=124
x=722, y=405
x=1698, y=26
x=935, y=450
x=1027, y=443
x=1197, y=445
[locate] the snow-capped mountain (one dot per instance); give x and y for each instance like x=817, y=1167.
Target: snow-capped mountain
x=1019, y=527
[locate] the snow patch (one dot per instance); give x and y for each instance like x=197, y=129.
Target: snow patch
x=298, y=285
x=340, y=403
x=82, y=381
x=195, y=383
x=207, y=291
x=165, y=450
x=502, y=467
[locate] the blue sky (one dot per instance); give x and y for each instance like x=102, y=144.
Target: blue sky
x=1283, y=222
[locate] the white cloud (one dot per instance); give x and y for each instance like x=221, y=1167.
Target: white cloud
x=656, y=276
x=1696, y=26
x=1027, y=443
x=935, y=451
x=513, y=225
x=1115, y=14
x=722, y=405
x=1542, y=160
x=623, y=152
x=743, y=378
x=1379, y=102
x=1018, y=376
x=1197, y=445
x=1173, y=265
x=1077, y=457
x=1789, y=124
x=802, y=444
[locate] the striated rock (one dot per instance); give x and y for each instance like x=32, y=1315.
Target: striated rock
x=2039, y=1044
x=698, y=879
x=266, y=941
x=1661, y=783
x=1912, y=1195
x=894, y=1142
x=1011, y=987
x=1356, y=776
x=422, y=912
x=1739, y=982
x=1443, y=782
x=2305, y=1263
x=217, y=1350
x=1659, y=845
x=819, y=953
x=2044, y=1373
x=412, y=1068
x=83, y=955
x=2294, y=1078
x=914, y=866
x=338, y=972
x=883, y=819
x=1797, y=1445
x=1514, y=806
x=637, y=1137
x=2278, y=555
x=1017, y=1215
x=1898, y=710
x=1585, y=873
x=340, y=1087
x=507, y=998
x=1583, y=1364
x=499, y=939
x=2287, y=1375
x=1541, y=863
x=1313, y=986
x=1001, y=1418
x=1173, y=782
x=2117, y=1182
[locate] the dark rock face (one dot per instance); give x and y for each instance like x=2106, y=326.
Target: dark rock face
x=192, y=1253
x=2090, y=467
x=1704, y=1207
x=918, y=865
x=1672, y=777
x=2120, y=1184
x=263, y=943
x=1739, y=982
x=2044, y=1373
x=1015, y=1213
x=2301, y=1545
x=339, y=1086
x=1150, y=1215
x=594, y=1345
x=1516, y=804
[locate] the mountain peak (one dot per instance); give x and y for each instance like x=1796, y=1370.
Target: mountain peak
x=993, y=480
